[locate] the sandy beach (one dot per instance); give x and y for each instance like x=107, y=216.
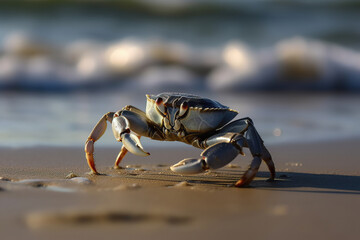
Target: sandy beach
x=293, y=67
x=316, y=194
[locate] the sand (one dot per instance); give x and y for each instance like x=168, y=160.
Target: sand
x=46, y=193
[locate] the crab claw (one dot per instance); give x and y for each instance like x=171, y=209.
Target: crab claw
x=121, y=130
x=119, y=126
x=189, y=166
x=133, y=145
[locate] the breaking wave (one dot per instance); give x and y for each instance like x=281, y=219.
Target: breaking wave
x=291, y=64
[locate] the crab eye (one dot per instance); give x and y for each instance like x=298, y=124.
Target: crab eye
x=160, y=105
x=159, y=101
x=183, y=109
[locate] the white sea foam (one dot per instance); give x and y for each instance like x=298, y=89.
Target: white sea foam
x=295, y=63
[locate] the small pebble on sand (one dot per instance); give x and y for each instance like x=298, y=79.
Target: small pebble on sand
x=81, y=180
x=233, y=166
x=133, y=166
x=140, y=169
x=71, y=175
x=182, y=184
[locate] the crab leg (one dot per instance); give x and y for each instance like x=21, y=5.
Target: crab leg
x=259, y=152
x=120, y=157
x=122, y=154
x=224, y=146
x=253, y=141
x=95, y=135
x=128, y=125
x=266, y=156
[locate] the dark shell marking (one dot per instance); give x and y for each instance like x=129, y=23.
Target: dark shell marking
x=175, y=99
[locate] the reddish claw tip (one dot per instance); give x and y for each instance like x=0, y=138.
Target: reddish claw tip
x=240, y=183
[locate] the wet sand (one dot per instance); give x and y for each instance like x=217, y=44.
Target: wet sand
x=316, y=195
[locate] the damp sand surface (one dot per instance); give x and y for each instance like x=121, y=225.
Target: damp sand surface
x=45, y=192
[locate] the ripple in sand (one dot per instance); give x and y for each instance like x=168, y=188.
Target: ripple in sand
x=294, y=164
x=126, y=187
x=230, y=165
x=60, y=189
x=132, y=166
x=182, y=184
x=121, y=187
x=38, y=220
x=57, y=185
x=162, y=165
x=81, y=180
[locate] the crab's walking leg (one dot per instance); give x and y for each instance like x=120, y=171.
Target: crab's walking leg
x=120, y=157
x=266, y=156
x=122, y=154
x=95, y=134
x=224, y=146
x=256, y=145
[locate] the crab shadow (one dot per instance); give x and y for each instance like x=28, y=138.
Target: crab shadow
x=285, y=181
x=310, y=182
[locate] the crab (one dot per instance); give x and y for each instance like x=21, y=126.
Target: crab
x=200, y=122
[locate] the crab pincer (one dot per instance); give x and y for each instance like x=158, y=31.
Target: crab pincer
x=122, y=133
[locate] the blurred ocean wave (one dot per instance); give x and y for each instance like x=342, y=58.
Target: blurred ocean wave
x=63, y=64
x=27, y=63
x=210, y=44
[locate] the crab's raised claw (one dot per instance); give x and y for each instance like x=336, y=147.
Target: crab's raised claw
x=189, y=166
x=121, y=130
x=133, y=145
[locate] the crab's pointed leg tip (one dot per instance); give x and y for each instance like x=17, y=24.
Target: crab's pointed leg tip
x=240, y=183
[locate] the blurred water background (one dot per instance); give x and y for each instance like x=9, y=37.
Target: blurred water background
x=292, y=66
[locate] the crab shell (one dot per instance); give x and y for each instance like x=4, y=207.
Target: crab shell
x=187, y=112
